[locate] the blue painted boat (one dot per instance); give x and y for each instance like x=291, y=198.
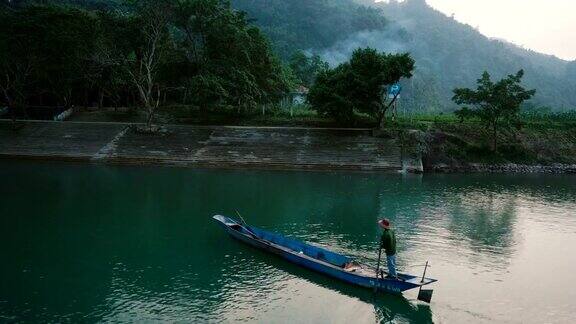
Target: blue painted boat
x=321, y=260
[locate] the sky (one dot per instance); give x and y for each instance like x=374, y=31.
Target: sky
x=546, y=26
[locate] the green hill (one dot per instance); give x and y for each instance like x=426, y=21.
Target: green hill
x=448, y=54
x=310, y=24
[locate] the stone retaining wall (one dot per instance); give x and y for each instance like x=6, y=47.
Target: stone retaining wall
x=203, y=146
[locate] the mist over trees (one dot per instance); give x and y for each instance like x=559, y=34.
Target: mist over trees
x=312, y=24
x=448, y=54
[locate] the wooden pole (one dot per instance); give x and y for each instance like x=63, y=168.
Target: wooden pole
x=424, y=274
x=378, y=265
x=378, y=268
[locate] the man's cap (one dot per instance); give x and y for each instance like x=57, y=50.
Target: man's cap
x=384, y=223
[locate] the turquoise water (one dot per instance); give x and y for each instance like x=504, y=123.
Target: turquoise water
x=87, y=243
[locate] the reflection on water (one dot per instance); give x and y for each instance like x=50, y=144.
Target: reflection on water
x=94, y=243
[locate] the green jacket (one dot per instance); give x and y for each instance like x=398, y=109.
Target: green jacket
x=388, y=241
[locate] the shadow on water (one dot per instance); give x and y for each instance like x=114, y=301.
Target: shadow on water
x=387, y=307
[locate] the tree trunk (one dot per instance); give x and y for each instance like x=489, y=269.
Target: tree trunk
x=13, y=113
x=382, y=119
x=149, y=118
x=11, y=108
x=385, y=107
x=100, y=99
x=494, y=137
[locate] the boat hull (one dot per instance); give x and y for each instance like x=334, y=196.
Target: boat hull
x=254, y=237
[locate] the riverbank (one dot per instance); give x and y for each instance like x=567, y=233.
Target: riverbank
x=543, y=147
x=449, y=148
x=203, y=146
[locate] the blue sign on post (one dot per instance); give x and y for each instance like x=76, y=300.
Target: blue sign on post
x=394, y=90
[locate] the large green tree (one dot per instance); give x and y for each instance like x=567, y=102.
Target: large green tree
x=139, y=49
x=497, y=104
x=65, y=51
x=360, y=85
x=17, y=60
x=43, y=53
x=229, y=61
x=307, y=67
x=115, y=40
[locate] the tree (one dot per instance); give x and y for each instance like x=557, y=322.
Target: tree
x=66, y=47
x=153, y=18
x=360, y=85
x=134, y=47
x=229, y=62
x=19, y=57
x=496, y=104
x=44, y=53
x=306, y=67
x=329, y=94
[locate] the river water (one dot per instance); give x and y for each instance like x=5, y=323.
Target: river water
x=87, y=243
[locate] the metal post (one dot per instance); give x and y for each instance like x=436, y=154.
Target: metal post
x=425, y=295
x=424, y=274
x=378, y=269
x=378, y=265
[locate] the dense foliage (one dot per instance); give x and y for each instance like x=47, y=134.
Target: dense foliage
x=306, y=67
x=497, y=104
x=44, y=54
x=198, y=52
x=360, y=85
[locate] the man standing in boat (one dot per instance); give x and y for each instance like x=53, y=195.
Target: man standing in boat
x=388, y=243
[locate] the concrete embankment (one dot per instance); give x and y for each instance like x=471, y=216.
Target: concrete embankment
x=203, y=146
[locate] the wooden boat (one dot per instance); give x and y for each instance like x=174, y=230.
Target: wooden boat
x=321, y=260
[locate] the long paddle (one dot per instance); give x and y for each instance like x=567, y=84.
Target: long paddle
x=378, y=266
x=425, y=294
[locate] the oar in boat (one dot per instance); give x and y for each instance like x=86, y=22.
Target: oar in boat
x=245, y=227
